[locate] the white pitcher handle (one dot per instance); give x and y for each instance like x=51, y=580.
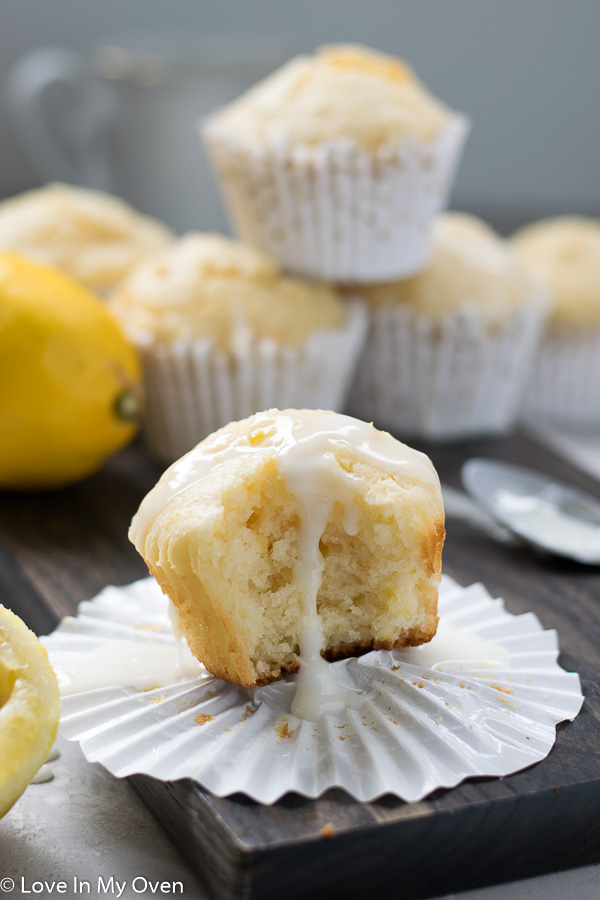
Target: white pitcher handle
x=63, y=114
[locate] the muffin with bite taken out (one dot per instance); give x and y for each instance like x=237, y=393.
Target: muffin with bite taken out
x=293, y=535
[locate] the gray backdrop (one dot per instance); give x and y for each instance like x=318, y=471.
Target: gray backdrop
x=526, y=71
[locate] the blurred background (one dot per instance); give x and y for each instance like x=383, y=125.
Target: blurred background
x=113, y=97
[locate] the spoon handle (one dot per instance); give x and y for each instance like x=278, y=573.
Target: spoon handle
x=459, y=505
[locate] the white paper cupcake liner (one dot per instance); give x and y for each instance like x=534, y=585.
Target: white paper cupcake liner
x=565, y=379
x=449, y=379
x=193, y=387
x=334, y=211
x=430, y=721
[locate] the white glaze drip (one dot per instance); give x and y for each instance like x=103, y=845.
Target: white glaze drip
x=316, y=479
x=138, y=664
x=180, y=641
x=305, y=445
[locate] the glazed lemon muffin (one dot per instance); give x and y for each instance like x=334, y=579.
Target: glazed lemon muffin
x=223, y=333
x=564, y=253
x=294, y=535
x=92, y=236
x=449, y=350
x=337, y=163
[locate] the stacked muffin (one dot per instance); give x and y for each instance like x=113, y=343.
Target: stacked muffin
x=338, y=165
x=335, y=168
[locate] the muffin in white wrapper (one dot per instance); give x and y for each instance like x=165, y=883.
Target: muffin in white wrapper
x=563, y=387
x=337, y=164
x=334, y=211
x=482, y=699
x=445, y=380
x=564, y=253
x=449, y=351
x=222, y=334
x=193, y=387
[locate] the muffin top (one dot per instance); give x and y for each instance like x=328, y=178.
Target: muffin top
x=565, y=254
x=207, y=286
x=91, y=236
x=471, y=268
x=302, y=443
x=343, y=91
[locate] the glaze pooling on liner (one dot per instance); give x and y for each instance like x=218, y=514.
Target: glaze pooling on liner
x=139, y=664
x=305, y=445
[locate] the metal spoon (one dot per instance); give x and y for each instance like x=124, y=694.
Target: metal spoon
x=515, y=503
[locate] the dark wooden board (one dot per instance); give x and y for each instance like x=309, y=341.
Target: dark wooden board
x=58, y=549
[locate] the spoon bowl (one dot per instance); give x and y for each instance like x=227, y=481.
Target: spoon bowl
x=548, y=514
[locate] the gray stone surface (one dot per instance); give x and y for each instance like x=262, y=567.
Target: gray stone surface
x=85, y=824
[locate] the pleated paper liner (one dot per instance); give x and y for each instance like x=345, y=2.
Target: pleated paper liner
x=334, y=211
x=482, y=699
x=193, y=387
x=449, y=379
x=564, y=383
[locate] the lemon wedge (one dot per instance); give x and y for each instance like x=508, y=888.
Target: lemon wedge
x=29, y=707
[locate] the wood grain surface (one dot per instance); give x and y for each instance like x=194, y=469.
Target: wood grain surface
x=60, y=548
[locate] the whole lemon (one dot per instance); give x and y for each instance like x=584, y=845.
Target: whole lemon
x=70, y=388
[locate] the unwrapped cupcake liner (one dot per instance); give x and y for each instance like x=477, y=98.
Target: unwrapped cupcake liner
x=563, y=387
x=334, y=211
x=482, y=701
x=194, y=387
x=447, y=379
